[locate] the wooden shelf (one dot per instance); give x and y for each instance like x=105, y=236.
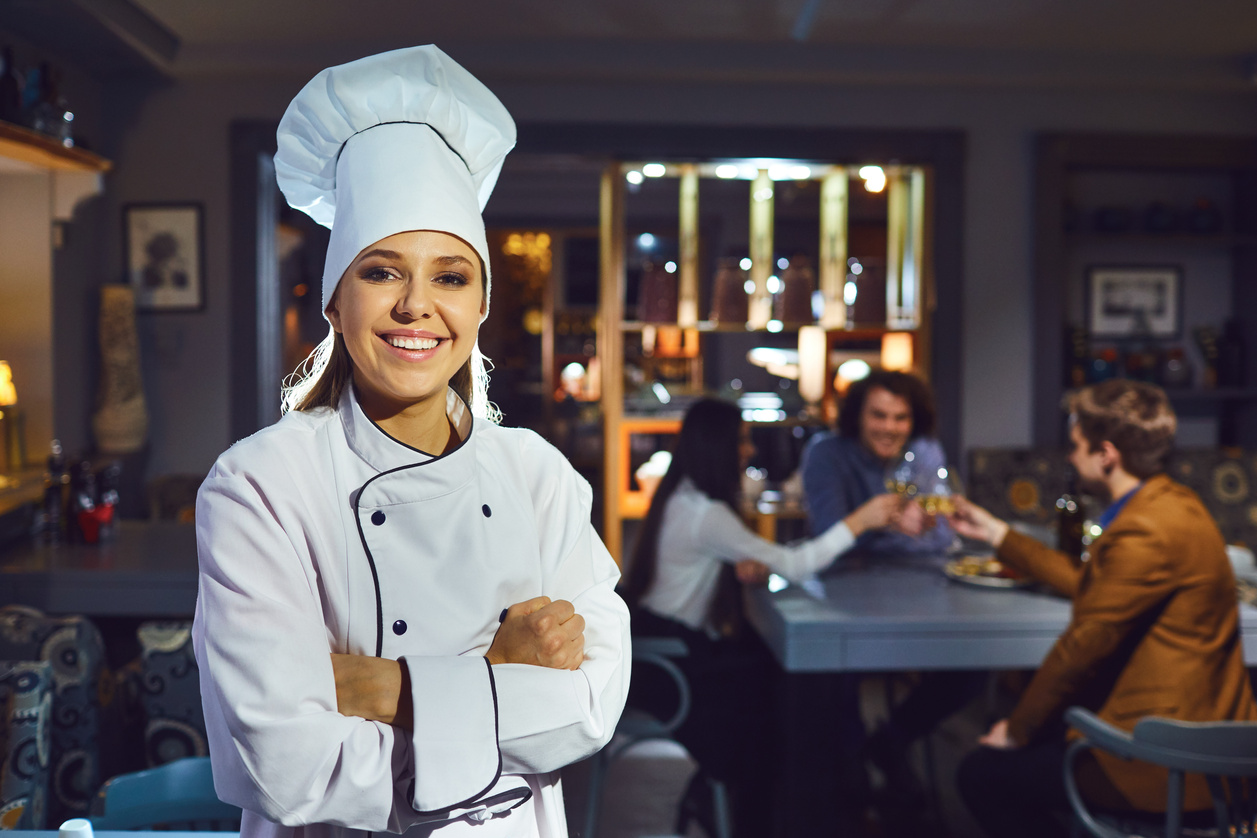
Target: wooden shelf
x=45, y=153
x=856, y=333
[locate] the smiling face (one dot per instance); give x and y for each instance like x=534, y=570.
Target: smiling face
x=409, y=308
x=885, y=423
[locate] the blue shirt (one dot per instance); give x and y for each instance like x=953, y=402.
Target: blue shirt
x=840, y=474
x=1115, y=507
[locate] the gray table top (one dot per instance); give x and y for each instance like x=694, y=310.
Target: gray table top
x=148, y=570
x=900, y=614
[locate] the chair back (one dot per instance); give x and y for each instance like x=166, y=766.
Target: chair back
x=1224, y=752
x=179, y=795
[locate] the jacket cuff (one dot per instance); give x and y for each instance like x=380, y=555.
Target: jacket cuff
x=1013, y=549
x=455, y=737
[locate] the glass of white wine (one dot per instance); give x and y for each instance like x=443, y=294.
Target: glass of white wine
x=902, y=476
x=938, y=490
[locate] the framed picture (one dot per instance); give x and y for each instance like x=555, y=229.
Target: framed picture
x=1134, y=300
x=164, y=252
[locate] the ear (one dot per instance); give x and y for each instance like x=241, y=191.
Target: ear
x=333, y=313
x=1112, y=457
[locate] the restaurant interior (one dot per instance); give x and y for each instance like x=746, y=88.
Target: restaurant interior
x=755, y=201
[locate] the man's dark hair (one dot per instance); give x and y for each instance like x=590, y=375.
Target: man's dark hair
x=1136, y=417
x=902, y=384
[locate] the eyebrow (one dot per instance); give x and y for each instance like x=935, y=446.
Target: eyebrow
x=445, y=261
x=453, y=260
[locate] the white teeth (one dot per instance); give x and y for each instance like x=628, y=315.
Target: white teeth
x=413, y=343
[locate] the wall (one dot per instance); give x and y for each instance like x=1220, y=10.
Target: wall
x=174, y=147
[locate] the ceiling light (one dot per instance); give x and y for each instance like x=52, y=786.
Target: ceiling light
x=654, y=170
x=633, y=176
x=726, y=171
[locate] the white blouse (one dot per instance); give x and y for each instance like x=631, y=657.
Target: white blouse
x=698, y=533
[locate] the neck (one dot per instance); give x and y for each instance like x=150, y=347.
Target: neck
x=1120, y=483
x=423, y=425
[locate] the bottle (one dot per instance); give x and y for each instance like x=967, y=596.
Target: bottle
x=1070, y=517
x=54, y=482
x=108, y=481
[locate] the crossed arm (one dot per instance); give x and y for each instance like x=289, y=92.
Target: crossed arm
x=538, y=632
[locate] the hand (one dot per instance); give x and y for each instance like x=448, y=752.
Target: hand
x=912, y=519
x=540, y=633
x=752, y=572
x=878, y=511
x=972, y=521
x=373, y=688
x=997, y=737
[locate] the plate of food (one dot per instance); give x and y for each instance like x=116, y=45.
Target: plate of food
x=985, y=572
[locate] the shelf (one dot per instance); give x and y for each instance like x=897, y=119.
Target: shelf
x=1222, y=394
x=1176, y=239
x=857, y=333
x=43, y=153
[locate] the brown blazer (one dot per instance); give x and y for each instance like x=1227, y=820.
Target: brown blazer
x=1154, y=631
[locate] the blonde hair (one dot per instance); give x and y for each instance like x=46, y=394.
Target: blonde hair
x=320, y=380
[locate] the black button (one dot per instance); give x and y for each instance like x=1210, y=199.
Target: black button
x=399, y=627
x=488, y=513
x=377, y=517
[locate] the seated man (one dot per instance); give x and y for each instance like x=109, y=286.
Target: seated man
x=882, y=417
x=1154, y=629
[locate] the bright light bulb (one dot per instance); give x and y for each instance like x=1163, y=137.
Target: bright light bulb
x=726, y=171
x=775, y=285
x=800, y=173
x=749, y=286
x=783, y=263
x=646, y=241
x=745, y=264
x=853, y=370
x=775, y=326
x=857, y=268
x=670, y=267
x=848, y=293
x=633, y=176
x=654, y=170
x=765, y=194
x=874, y=178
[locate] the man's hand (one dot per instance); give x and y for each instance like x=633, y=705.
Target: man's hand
x=912, y=519
x=879, y=511
x=997, y=737
x=752, y=572
x=972, y=521
x=540, y=633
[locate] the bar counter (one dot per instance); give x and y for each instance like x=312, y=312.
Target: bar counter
x=147, y=570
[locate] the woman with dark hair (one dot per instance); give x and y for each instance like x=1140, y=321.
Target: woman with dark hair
x=691, y=552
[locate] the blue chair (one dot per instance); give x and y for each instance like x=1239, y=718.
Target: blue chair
x=638, y=726
x=178, y=795
x=1225, y=752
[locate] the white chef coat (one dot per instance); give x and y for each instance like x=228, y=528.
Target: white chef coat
x=323, y=534
x=698, y=534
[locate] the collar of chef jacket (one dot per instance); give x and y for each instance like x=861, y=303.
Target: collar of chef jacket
x=384, y=453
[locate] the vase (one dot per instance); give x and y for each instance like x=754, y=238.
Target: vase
x=120, y=424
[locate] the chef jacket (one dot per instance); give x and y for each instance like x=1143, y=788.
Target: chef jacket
x=323, y=534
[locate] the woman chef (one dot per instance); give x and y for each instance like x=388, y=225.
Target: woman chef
x=405, y=619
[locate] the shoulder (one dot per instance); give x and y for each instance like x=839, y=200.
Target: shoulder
x=275, y=448
x=828, y=447
x=541, y=464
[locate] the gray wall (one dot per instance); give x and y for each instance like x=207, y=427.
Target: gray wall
x=171, y=144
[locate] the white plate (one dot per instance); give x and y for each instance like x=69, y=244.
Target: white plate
x=951, y=571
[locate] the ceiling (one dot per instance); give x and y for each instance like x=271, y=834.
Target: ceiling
x=1208, y=43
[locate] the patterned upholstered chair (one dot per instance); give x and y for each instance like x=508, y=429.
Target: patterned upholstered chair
x=82, y=688
x=1018, y=484
x=25, y=742
x=1226, y=480
x=170, y=693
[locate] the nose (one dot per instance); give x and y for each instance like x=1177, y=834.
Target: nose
x=414, y=302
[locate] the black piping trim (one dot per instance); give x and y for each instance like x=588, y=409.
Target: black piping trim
x=375, y=576
x=497, y=775
x=341, y=150
x=434, y=457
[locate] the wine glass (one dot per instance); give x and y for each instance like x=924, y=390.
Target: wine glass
x=938, y=490
x=902, y=475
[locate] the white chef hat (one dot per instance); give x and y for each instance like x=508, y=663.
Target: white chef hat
x=404, y=140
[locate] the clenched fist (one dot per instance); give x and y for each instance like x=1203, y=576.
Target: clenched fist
x=541, y=633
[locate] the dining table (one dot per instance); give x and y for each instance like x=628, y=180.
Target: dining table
x=144, y=569
x=886, y=615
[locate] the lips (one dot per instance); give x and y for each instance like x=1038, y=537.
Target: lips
x=412, y=346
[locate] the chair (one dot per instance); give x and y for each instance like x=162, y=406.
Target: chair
x=638, y=726
x=178, y=795
x=1225, y=752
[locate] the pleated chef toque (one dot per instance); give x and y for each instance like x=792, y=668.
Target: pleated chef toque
x=403, y=140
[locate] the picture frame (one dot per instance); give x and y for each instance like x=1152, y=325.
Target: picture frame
x=1128, y=301
x=164, y=253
